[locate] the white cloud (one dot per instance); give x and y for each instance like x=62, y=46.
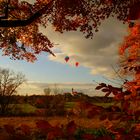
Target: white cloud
x=98, y=53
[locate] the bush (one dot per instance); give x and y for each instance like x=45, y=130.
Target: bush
x=71, y=131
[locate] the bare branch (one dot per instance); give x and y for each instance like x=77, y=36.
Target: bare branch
x=9, y=82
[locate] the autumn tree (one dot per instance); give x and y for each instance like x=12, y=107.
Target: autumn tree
x=9, y=83
x=129, y=70
x=20, y=21
x=129, y=52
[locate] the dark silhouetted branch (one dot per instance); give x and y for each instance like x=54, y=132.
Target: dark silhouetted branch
x=18, y=23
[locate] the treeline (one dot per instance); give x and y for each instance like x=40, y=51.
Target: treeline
x=48, y=105
x=17, y=99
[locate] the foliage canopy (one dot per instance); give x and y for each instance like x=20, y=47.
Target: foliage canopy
x=20, y=21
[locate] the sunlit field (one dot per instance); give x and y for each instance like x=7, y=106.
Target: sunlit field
x=78, y=117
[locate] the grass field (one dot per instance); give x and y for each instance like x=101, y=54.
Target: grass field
x=24, y=108
x=105, y=105
x=69, y=105
x=27, y=108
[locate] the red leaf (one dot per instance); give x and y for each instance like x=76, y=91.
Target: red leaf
x=125, y=67
x=103, y=117
x=104, y=138
x=103, y=84
x=126, y=105
x=9, y=129
x=137, y=114
x=25, y=129
x=129, y=137
x=113, y=116
x=88, y=137
x=105, y=90
x=135, y=130
x=131, y=68
x=98, y=87
x=44, y=126
x=121, y=130
x=92, y=113
x=107, y=94
x=55, y=133
x=116, y=116
x=134, y=11
x=71, y=128
x=119, y=96
x=130, y=112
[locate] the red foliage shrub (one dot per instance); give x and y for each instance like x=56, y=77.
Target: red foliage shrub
x=88, y=137
x=55, y=133
x=9, y=129
x=25, y=129
x=43, y=126
x=71, y=128
x=40, y=112
x=104, y=138
x=70, y=132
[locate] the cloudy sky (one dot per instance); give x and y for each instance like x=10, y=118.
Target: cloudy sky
x=95, y=56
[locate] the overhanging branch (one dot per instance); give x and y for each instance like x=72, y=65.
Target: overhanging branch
x=18, y=23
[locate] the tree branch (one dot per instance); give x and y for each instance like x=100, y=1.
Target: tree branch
x=18, y=23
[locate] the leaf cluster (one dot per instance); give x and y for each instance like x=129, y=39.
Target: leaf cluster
x=19, y=33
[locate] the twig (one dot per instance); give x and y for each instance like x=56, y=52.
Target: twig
x=118, y=74
x=111, y=80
